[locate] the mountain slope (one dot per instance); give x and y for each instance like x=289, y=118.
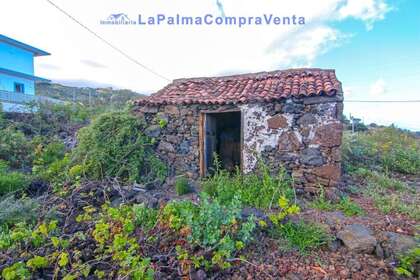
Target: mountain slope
x=87, y=96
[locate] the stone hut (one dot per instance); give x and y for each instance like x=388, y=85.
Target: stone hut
x=289, y=118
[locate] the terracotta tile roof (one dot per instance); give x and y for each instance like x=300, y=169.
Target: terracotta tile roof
x=255, y=87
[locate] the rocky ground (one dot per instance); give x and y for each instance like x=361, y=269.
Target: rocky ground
x=362, y=247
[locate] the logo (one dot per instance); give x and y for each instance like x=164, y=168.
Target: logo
x=204, y=19
x=118, y=19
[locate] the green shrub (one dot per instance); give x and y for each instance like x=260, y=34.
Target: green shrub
x=122, y=246
x=49, y=153
x=402, y=159
x=408, y=262
x=215, y=228
x=258, y=189
x=15, y=148
x=17, y=271
x=358, y=151
x=57, y=173
x=389, y=149
x=286, y=208
x=114, y=145
x=37, y=262
x=182, y=186
x=12, y=181
x=2, y=119
x=14, y=210
x=302, y=236
x=145, y=217
x=48, y=119
x=46, y=155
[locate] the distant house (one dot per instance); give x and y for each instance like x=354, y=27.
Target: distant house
x=17, y=80
x=290, y=118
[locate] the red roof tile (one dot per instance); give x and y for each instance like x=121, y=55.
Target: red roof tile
x=255, y=87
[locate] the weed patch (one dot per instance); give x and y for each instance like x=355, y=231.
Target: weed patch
x=387, y=149
x=407, y=263
x=390, y=195
x=181, y=186
x=301, y=236
x=259, y=189
x=11, y=181
x=346, y=205
x=13, y=211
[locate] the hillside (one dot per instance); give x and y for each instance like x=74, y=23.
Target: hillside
x=102, y=207
x=87, y=96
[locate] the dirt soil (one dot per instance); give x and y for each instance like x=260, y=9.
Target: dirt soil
x=267, y=260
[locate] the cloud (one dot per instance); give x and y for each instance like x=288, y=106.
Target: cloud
x=368, y=11
x=300, y=48
x=92, y=63
x=84, y=83
x=378, y=88
x=177, y=51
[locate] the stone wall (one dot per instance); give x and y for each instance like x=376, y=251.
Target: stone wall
x=301, y=134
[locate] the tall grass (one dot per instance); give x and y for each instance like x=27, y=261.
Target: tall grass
x=258, y=189
x=387, y=149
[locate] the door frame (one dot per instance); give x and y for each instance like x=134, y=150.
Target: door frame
x=202, y=136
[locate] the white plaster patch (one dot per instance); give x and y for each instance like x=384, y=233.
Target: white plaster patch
x=257, y=135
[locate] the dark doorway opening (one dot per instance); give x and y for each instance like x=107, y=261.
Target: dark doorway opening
x=222, y=137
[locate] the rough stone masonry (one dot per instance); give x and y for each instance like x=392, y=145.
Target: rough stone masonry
x=301, y=132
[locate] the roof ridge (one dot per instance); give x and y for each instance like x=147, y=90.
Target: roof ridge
x=251, y=75
x=264, y=86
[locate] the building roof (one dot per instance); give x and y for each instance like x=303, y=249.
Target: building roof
x=247, y=88
x=22, y=75
x=20, y=45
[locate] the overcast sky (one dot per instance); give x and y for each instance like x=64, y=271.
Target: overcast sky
x=372, y=44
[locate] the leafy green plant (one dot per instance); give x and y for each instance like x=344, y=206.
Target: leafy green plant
x=145, y=217
x=58, y=172
x=286, y=208
x=211, y=226
x=259, y=189
x=120, y=243
x=37, y=262
x=407, y=263
x=400, y=202
x=346, y=205
x=389, y=194
x=114, y=145
x=389, y=149
x=302, y=236
x=45, y=155
x=15, y=148
x=182, y=186
x=17, y=271
x=349, y=207
x=380, y=179
x=12, y=181
x=162, y=123
x=13, y=211
x=403, y=159
x=13, y=237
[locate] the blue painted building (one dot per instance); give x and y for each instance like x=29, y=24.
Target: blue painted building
x=17, y=80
